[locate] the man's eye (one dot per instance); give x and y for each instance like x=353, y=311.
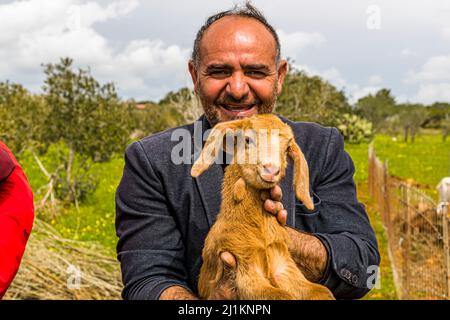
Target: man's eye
x=256, y=74
x=219, y=73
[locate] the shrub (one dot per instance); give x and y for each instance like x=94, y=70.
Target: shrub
x=355, y=129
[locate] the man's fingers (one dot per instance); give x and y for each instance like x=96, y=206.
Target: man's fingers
x=282, y=217
x=275, y=193
x=273, y=207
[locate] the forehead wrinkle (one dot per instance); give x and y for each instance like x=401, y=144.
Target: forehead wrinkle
x=243, y=34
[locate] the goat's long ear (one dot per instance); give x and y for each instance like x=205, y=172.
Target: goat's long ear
x=212, y=147
x=301, y=174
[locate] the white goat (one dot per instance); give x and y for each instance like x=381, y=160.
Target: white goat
x=444, y=190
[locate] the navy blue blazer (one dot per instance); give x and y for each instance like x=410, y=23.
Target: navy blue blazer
x=163, y=215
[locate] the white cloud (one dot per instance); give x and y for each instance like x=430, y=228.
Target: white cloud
x=293, y=43
x=42, y=31
x=409, y=53
x=432, y=92
x=435, y=69
x=375, y=79
x=433, y=80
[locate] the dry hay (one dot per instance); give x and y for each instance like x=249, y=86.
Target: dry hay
x=49, y=269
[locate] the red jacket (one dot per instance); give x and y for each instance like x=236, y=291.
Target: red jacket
x=16, y=216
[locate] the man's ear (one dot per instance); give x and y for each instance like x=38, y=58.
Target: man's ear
x=281, y=74
x=194, y=74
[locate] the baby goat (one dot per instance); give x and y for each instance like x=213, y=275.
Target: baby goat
x=265, y=268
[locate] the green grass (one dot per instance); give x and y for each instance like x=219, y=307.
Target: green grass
x=426, y=161
x=359, y=155
x=95, y=219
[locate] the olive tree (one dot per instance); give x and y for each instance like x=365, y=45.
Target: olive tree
x=88, y=119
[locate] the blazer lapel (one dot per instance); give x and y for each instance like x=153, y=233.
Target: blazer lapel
x=209, y=183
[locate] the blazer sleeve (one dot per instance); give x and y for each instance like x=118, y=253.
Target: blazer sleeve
x=343, y=225
x=150, y=248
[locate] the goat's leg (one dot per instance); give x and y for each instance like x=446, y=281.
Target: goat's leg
x=210, y=274
x=286, y=275
x=251, y=284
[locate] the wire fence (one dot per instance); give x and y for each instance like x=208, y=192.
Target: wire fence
x=418, y=234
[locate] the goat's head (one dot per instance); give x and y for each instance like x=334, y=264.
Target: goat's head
x=258, y=146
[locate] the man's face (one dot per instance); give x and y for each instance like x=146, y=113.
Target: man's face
x=237, y=75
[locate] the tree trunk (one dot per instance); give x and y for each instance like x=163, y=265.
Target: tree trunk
x=70, y=184
x=406, y=134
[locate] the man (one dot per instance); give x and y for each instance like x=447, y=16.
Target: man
x=16, y=216
x=163, y=215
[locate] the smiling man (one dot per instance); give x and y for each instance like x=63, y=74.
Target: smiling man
x=163, y=215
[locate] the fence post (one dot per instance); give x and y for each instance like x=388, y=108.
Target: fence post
x=406, y=249
x=387, y=204
x=445, y=221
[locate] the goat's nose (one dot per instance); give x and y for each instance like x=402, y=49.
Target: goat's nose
x=271, y=169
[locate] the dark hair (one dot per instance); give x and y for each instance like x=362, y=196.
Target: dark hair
x=247, y=10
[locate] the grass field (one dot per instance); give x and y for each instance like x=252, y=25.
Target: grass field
x=426, y=161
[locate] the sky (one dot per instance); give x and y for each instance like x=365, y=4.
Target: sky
x=359, y=46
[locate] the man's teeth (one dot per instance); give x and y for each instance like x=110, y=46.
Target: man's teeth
x=236, y=108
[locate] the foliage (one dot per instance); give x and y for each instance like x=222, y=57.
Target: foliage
x=310, y=98
x=22, y=117
x=438, y=113
x=445, y=128
x=355, y=129
x=155, y=118
x=376, y=108
x=88, y=118
x=185, y=103
x=411, y=117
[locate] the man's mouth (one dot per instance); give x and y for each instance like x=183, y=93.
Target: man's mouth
x=239, y=109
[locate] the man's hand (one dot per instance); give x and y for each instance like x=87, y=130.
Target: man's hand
x=273, y=205
x=177, y=293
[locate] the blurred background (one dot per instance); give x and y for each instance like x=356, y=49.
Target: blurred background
x=82, y=79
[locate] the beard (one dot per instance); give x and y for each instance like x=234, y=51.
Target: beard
x=211, y=107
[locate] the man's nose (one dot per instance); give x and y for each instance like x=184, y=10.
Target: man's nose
x=237, y=86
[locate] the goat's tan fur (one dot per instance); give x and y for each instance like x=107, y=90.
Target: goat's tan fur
x=265, y=268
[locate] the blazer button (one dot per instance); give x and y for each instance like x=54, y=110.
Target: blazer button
x=355, y=279
x=346, y=274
